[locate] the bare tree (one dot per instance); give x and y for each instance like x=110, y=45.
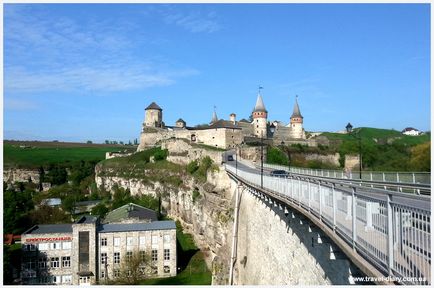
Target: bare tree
x=135, y=266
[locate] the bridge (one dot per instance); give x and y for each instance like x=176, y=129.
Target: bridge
x=382, y=226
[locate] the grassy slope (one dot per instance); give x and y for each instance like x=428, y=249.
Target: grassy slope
x=44, y=153
x=369, y=134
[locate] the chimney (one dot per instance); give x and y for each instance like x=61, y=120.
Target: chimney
x=232, y=117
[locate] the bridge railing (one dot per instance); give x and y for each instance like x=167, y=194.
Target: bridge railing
x=390, y=229
x=398, y=177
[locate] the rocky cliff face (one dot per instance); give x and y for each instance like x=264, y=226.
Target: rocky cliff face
x=204, y=209
x=21, y=175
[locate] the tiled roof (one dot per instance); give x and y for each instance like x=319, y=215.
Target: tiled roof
x=130, y=210
x=153, y=106
x=156, y=225
x=259, y=107
x=223, y=124
x=296, y=112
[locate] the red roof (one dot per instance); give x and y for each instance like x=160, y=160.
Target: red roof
x=8, y=238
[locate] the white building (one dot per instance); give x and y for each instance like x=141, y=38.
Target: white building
x=411, y=131
x=88, y=252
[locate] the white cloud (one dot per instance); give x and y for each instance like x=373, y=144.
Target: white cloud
x=194, y=22
x=54, y=53
x=103, y=78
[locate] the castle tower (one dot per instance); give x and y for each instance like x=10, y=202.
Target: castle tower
x=259, y=115
x=296, y=122
x=153, y=116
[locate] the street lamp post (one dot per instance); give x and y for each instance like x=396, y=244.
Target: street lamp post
x=357, y=136
x=262, y=161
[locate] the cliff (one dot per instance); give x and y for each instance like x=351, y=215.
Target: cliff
x=203, y=207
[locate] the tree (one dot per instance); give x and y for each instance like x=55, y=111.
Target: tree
x=49, y=215
x=421, y=157
x=100, y=209
x=89, y=142
x=107, y=142
x=134, y=267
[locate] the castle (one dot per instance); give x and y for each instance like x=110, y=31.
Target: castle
x=221, y=133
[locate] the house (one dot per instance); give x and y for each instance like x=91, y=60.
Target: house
x=411, y=131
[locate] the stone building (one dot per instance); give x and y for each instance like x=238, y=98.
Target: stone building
x=223, y=133
x=89, y=252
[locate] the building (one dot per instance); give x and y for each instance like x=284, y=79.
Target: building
x=223, y=133
x=131, y=213
x=411, y=131
x=88, y=252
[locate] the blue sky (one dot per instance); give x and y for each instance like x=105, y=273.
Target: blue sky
x=77, y=72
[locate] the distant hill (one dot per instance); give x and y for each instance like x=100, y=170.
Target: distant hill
x=381, y=136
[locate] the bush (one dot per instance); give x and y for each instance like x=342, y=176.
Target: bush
x=160, y=154
x=192, y=167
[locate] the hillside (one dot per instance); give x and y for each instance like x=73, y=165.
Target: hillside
x=383, y=149
x=381, y=136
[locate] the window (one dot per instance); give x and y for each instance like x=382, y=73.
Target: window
x=154, y=255
x=143, y=255
x=166, y=269
x=166, y=238
x=103, y=241
x=32, y=247
x=117, y=258
x=117, y=241
x=66, y=245
x=166, y=254
x=154, y=240
x=54, y=262
x=43, y=246
x=142, y=240
x=102, y=274
x=103, y=258
x=31, y=264
x=66, y=261
x=129, y=255
x=116, y=273
x=42, y=262
x=154, y=270
x=66, y=278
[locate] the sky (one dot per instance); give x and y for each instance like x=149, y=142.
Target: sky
x=78, y=72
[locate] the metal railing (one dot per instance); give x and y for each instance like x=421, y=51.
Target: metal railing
x=391, y=230
x=397, y=177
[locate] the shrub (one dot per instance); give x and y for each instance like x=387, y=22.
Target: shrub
x=192, y=167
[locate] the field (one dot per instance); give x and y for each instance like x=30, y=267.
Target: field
x=32, y=154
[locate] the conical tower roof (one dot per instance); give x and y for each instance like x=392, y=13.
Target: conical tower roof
x=259, y=107
x=214, y=117
x=153, y=106
x=296, y=112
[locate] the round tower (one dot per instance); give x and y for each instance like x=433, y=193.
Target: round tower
x=296, y=122
x=153, y=116
x=259, y=115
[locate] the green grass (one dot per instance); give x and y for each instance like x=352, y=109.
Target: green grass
x=196, y=273
x=381, y=136
x=33, y=157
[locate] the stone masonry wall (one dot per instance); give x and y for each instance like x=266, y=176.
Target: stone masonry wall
x=277, y=250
